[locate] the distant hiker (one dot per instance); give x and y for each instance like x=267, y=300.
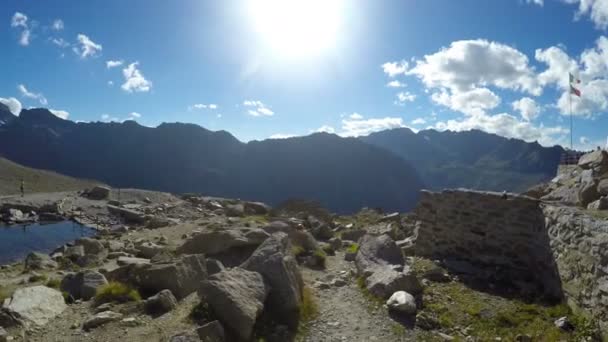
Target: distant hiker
x=504, y=194
x=22, y=187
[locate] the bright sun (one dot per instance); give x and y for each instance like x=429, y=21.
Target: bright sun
x=297, y=28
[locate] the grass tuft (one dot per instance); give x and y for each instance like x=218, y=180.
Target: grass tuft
x=116, y=292
x=354, y=248
x=53, y=283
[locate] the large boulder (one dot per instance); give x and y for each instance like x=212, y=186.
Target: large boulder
x=83, y=285
x=602, y=187
x=280, y=270
x=297, y=237
x=161, y=303
x=403, y=302
x=353, y=234
x=212, y=332
x=91, y=246
x=235, y=210
x=128, y=215
x=566, y=193
x=39, y=261
x=217, y=241
x=99, y=193
x=181, y=276
x=237, y=297
x=600, y=204
x=35, y=305
x=386, y=280
x=588, y=193
x=256, y=208
x=148, y=250
x=596, y=161
x=376, y=251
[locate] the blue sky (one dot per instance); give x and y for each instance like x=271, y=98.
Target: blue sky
x=260, y=68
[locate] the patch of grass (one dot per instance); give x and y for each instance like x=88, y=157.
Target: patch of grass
x=4, y=293
x=202, y=313
x=309, y=309
x=298, y=251
x=116, y=292
x=53, y=283
x=598, y=214
x=374, y=302
x=257, y=219
x=37, y=278
x=354, y=248
x=320, y=258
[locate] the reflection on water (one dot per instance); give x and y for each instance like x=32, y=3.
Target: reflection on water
x=19, y=240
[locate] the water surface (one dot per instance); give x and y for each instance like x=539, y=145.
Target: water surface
x=17, y=241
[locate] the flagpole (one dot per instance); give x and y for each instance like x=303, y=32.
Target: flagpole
x=570, y=105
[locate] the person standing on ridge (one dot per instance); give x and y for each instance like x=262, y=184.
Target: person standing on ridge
x=22, y=187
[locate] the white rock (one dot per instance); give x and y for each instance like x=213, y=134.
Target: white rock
x=101, y=319
x=36, y=304
x=403, y=302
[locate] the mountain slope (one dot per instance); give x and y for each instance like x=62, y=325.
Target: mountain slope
x=35, y=180
x=342, y=174
x=472, y=159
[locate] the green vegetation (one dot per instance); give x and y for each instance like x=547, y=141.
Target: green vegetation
x=320, y=258
x=259, y=220
x=35, y=180
x=4, y=293
x=373, y=301
x=116, y=292
x=598, y=214
x=298, y=251
x=488, y=316
x=354, y=248
x=309, y=310
x=37, y=278
x=202, y=313
x=53, y=283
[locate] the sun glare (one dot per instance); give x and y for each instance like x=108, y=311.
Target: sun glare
x=297, y=28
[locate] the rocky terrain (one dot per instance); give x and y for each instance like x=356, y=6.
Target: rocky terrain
x=464, y=265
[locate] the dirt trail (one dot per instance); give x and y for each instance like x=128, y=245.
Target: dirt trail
x=344, y=312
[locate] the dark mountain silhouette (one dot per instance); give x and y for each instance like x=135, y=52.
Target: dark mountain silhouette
x=342, y=174
x=471, y=159
x=5, y=114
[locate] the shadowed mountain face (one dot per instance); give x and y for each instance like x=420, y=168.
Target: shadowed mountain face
x=342, y=174
x=472, y=159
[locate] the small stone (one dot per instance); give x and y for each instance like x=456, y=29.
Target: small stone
x=403, y=302
x=564, y=324
x=338, y=282
x=445, y=337
x=101, y=319
x=162, y=302
x=130, y=322
x=523, y=338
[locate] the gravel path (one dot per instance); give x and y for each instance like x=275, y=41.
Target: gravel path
x=344, y=313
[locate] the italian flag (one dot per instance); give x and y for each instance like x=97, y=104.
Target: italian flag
x=574, y=90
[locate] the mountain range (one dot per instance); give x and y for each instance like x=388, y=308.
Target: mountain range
x=385, y=169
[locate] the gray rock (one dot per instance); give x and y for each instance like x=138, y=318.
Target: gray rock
x=385, y=281
x=115, y=246
x=161, y=303
x=564, y=324
x=39, y=261
x=35, y=305
x=181, y=276
x=297, y=237
x=256, y=208
x=185, y=337
x=600, y=204
x=403, y=302
x=280, y=270
x=377, y=251
x=392, y=217
x=336, y=243
x=99, y=193
x=596, y=161
x=353, y=234
x=83, y=285
x=235, y=210
x=123, y=261
x=214, y=266
x=237, y=297
x=74, y=252
x=155, y=222
x=100, y=319
x=588, y=194
x=129, y=215
x=322, y=232
x=216, y=241
x=350, y=256
x=148, y=250
x=3, y=335
x=212, y=332
x=602, y=187
x=91, y=246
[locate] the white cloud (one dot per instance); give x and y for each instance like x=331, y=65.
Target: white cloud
x=468, y=64
x=393, y=69
x=418, y=121
x=135, y=115
x=257, y=108
x=282, y=136
x=19, y=20
x=584, y=140
x=60, y=42
x=203, y=106
x=110, y=83
x=57, y=25
x=406, y=96
x=356, y=116
x=60, y=113
x=13, y=104
x=395, y=84
x=536, y=2
x=325, y=129
x=475, y=101
x=559, y=64
x=134, y=79
x=358, y=127
x=86, y=47
x=35, y=96
x=596, y=9
x=105, y=117
x=112, y=64
x=506, y=125
x=527, y=107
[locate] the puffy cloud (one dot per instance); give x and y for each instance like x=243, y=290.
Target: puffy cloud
x=527, y=107
x=596, y=9
x=112, y=64
x=393, y=69
x=57, y=25
x=134, y=115
x=35, y=96
x=405, y=96
x=60, y=42
x=19, y=20
x=257, y=108
x=536, y=2
x=475, y=101
x=355, y=116
x=13, y=104
x=203, y=106
x=559, y=64
x=418, y=121
x=395, y=84
x=508, y=126
x=594, y=99
x=60, y=113
x=86, y=47
x=325, y=129
x=360, y=126
x=282, y=136
x=134, y=79
x=468, y=64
